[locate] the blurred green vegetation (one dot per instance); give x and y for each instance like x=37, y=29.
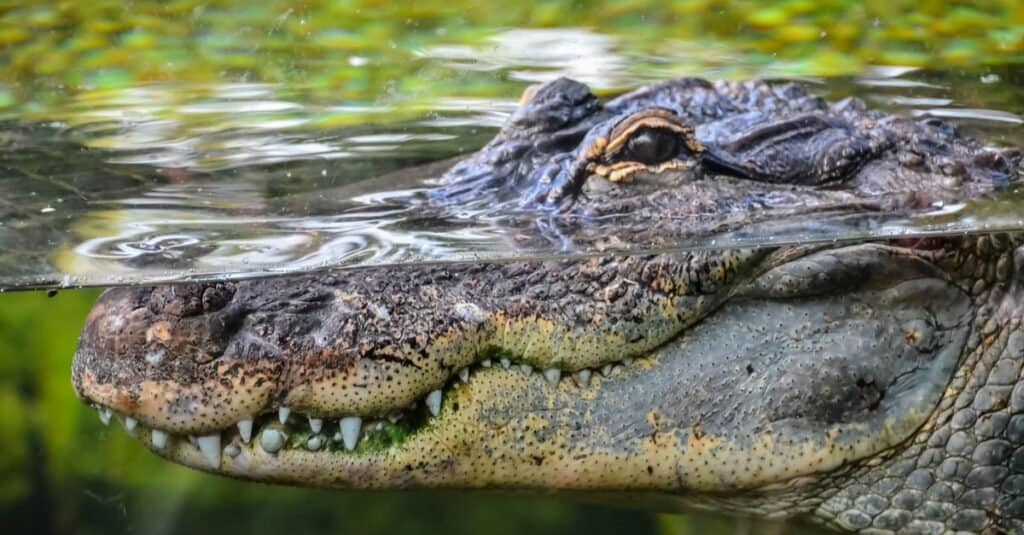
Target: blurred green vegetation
x=354, y=48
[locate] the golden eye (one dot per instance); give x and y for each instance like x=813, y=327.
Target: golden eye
x=652, y=146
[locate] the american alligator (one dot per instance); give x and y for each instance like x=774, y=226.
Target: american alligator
x=871, y=385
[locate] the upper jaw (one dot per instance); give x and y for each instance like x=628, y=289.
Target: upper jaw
x=322, y=349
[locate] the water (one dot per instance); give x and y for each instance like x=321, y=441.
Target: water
x=144, y=142
x=189, y=182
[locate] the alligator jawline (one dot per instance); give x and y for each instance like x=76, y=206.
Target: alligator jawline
x=283, y=429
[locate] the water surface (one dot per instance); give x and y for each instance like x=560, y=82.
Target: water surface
x=189, y=182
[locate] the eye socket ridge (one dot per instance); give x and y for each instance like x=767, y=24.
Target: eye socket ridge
x=650, y=138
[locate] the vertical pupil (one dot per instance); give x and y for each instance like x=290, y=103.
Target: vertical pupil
x=653, y=146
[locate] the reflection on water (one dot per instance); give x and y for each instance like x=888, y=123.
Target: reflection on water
x=170, y=182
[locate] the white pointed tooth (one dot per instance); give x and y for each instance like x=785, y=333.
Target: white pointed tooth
x=315, y=424
x=464, y=375
x=245, y=430
x=210, y=446
x=350, y=431
x=606, y=370
x=104, y=415
x=526, y=369
x=271, y=440
x=130, y=423
x=627, y=361
x=232, y=450
x=505, y=363
x=314, y=443
x=282, y=414
x=159, y=439
x=486, y=363
x=583, y=377
x=553, y=375
x=434, y=402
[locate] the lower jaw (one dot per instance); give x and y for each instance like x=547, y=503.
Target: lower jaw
x=451, y=449
x=471, y=444
x=283, y=433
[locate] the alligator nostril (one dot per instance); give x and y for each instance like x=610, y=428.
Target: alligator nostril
x=180, y=300
x=216, y=297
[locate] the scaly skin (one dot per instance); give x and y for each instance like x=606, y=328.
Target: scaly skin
x=871, y=385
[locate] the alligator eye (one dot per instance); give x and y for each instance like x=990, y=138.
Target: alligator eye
x=652, y=146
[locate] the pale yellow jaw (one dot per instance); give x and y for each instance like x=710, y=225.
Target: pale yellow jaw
x=507, y=429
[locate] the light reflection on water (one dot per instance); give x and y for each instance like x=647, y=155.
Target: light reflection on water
x=177, y=181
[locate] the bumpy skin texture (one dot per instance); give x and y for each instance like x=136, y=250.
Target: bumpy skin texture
x=865, y=386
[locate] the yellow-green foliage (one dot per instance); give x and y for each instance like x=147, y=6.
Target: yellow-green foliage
x=51, y=48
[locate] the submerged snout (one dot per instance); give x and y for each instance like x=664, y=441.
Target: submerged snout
x=340, y=360
x=698, y=372
x=166, y=358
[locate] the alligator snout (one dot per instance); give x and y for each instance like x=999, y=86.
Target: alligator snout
x=158, y=356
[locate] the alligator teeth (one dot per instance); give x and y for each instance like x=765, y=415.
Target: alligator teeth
x=526, y=369
x=314, y=443
x=505, y=363
x=350, y=431
x=583, y=377
x=245, y=430
x=210, y=446
x=104, y=415
x=130, y=423
x=282, y=414
x=606, y=370
x=159, y=439
x=315, y=424
x=464, y=375
x=486, y=363
x=553, y=375
x=627, y=361
x=434, y=402
x=271, y=440
x=232, y=450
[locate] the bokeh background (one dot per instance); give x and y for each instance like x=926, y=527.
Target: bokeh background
x=63, y=62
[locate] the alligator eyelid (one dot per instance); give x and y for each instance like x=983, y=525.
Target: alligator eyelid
x=655, y=119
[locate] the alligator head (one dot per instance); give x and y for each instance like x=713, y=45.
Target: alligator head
x=864, y=385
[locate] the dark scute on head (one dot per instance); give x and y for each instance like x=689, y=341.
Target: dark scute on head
x=806, y=149
x=553, y=106
x=998, y=165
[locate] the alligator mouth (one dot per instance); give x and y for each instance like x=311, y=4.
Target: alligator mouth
x=274, y=431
